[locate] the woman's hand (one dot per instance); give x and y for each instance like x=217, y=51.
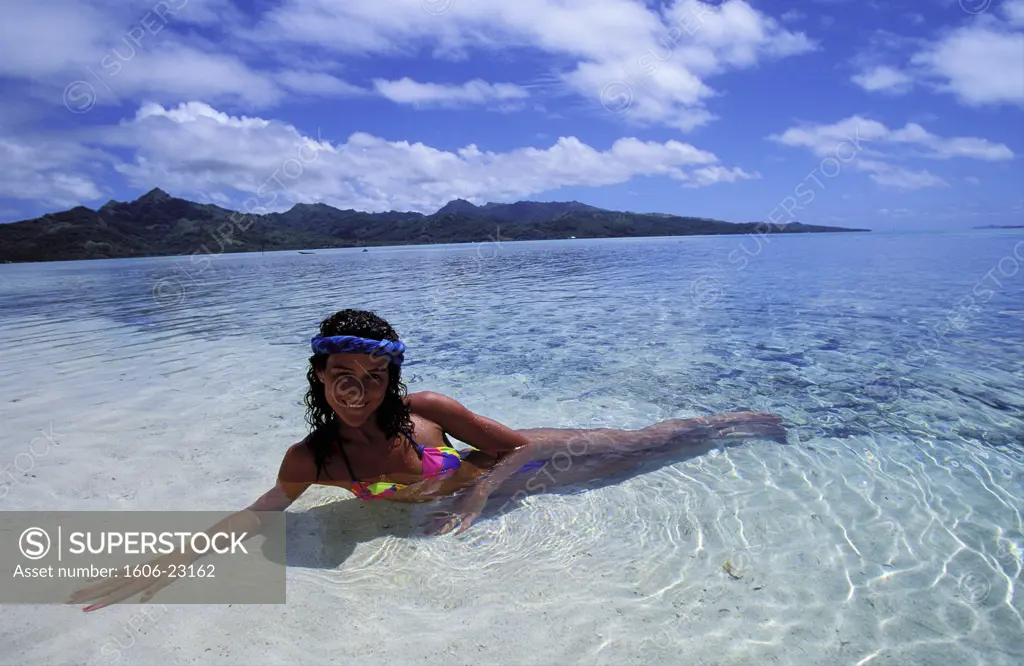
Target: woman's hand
x=112, y=590
x=245, y=522
x=467, y=508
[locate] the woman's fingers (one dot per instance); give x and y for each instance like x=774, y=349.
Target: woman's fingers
x=120, y=595
x=443, y=523
x=452, y=524
x=115, y=589
x=466, y=522
x=438, y=520
x=98, y=590
x=153, y=589
x=442, y=526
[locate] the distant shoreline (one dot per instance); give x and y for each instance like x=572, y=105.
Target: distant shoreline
x=158, y=225
x=363, y=248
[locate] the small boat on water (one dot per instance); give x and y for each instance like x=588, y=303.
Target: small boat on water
x=305, y=252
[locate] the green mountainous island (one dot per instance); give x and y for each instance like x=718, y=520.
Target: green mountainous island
x=157, y=224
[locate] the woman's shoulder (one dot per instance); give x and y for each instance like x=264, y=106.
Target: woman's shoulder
x=415, y=401
x=298, y=463
x=299, y=449
x=426, y=403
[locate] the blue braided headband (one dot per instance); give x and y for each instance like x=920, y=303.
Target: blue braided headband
x=351, y=344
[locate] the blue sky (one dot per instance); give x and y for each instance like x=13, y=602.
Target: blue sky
x=896, y=115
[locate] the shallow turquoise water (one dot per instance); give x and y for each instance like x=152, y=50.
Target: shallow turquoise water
x=888, y=529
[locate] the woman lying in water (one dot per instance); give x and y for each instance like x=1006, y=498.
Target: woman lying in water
x=371, y=439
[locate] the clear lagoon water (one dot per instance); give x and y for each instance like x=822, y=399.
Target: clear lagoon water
x=888, y=530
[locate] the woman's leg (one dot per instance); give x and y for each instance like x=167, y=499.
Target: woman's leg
x=594, y=441
x=566, y=456
x=563, y=471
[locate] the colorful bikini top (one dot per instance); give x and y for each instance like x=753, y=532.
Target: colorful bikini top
x=438, y=463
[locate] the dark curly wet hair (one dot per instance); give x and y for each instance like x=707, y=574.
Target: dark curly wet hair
x=393, y=416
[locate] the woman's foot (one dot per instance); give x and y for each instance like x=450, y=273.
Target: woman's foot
x=727, y=425
x=749, y=424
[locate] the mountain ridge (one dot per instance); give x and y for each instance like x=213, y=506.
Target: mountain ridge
x=159, y=224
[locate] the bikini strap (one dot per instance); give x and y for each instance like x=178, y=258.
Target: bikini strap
x=419, y=447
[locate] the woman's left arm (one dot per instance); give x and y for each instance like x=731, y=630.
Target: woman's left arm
x=487, y=435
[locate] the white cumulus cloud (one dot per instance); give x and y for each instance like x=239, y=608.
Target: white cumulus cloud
x=980, y=62
x=195, y=149
x=883, y=78
x=1013, y=10
x=475, y=92
x=51, y=171
x=870, y=146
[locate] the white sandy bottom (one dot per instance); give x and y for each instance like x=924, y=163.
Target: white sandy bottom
x=842, y=550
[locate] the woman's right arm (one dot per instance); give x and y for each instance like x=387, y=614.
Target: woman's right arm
x=296, y=473
x=292, y=480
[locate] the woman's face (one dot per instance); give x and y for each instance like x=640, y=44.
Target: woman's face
x=355, y=385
